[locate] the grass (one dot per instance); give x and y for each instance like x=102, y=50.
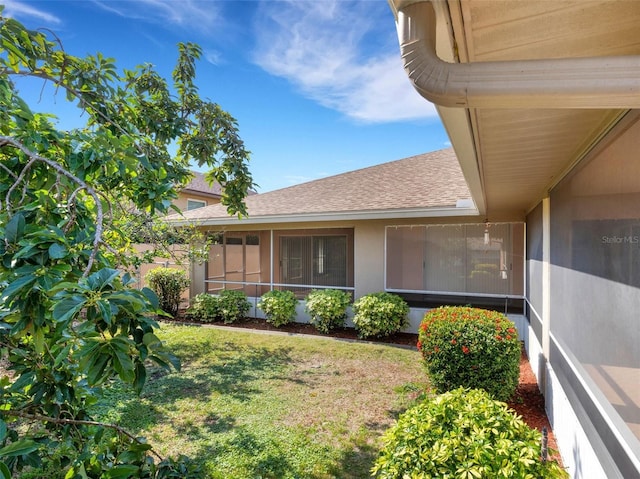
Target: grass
x=254, y=405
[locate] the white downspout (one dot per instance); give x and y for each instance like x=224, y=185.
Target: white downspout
x=595, y=82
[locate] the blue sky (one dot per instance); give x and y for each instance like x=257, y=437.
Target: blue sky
x=317, y=87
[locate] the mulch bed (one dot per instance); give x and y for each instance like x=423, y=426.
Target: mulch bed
x=527, y=402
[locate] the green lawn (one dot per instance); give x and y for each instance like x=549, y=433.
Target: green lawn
x=255, y=405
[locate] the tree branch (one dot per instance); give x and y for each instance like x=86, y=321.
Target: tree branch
x=6, y=140
x=76, y=422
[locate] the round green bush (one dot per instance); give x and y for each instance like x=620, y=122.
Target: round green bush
x=379, y=314
x=233, y=305
x=279, y=306
x=229, y=306
x=463, y=434
x=470, y=347
x=327, y=308
x=203, y=307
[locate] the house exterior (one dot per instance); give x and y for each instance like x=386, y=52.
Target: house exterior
x=198, y=193
x=408, y=226
x=541, y=101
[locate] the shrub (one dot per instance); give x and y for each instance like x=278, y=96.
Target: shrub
x=204, y=307
x=279, y=306
x=233, y=305
x=229, y=306
x=328, y=308
x=379, y=314
x=463, y=433
x=472, y=348
x=168, y=284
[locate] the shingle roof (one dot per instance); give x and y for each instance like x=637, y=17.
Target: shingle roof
x=199, y=185
x=430, y=180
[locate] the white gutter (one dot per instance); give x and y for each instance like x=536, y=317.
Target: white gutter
x=594, y=82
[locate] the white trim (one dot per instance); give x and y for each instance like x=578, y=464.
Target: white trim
x=330, y=216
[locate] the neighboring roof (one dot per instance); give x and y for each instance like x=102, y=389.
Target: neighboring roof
x=430, y=184
x=201, y=186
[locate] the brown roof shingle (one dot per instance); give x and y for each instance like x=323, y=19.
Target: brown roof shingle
x=198, y=184
x=430, y=180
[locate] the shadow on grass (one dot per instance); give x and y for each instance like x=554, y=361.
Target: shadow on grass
x=355, y=462
x=212, y=369
x=221, y=369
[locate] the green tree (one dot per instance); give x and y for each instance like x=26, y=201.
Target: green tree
x=69, y=319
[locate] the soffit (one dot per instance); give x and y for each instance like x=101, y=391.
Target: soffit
x=521, y=153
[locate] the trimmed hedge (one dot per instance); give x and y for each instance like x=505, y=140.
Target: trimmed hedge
x=463, y=434
x=470, y=347
x=279, y=306
x=327, y=308
x=229, y=306
x=379, y=314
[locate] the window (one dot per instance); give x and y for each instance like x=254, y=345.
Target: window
x=314, y=260
x=195, y=204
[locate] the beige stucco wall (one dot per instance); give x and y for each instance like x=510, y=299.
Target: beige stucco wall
x=369, y=258
x=184, y=196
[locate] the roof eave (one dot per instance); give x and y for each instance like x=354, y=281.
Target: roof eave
x=200, y=193
x=438, y=212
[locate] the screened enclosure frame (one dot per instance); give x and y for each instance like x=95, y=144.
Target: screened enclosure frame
x=498, y=260
x=321, y=266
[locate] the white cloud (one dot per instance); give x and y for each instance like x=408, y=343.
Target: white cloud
x=20, y=10
x=344, y=55
x=191, y=14
x=213, y=56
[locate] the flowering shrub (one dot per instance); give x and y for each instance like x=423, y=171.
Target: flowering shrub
x=168, y=284
x=470, y=347
x=229, y=306
x=279, y=306
x=463, y=433
x=379, y=314
x=328, y=308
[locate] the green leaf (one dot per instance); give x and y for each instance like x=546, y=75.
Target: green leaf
x=15, y=228
x=57, y=251
x=123, y=471
x=140, y=377
x=19, y=448
x=123, y=365
x=150, y=339
x=5, y=473
x=3, y=430
x=98, y=280
x=62, y=355
x=97, y=371
x=65, y=309
x=105, y=311
x=151, y=296
x=38, y=339
x=23, y=381
x=21, y=283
